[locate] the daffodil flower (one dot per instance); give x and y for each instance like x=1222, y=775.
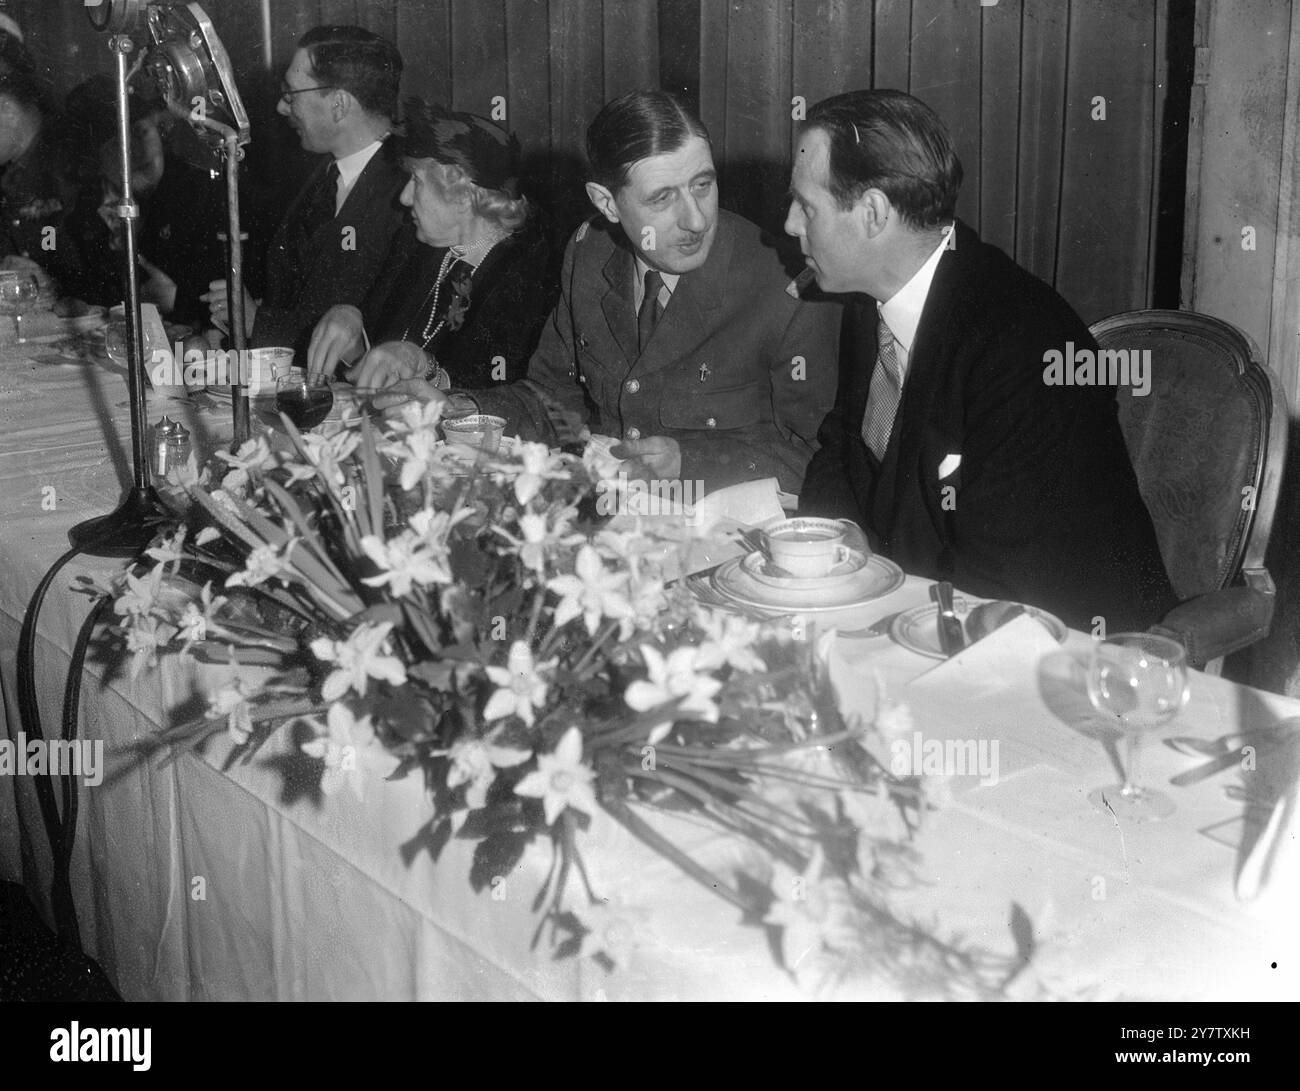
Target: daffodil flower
x=265, y=562
x=615, y=929
x=253, y=454
x=405, y=562
x=522, y=689
x=673, y=679
x=540, y=538
x=338, y=749
x=231, y=702
x=539, y=465
x=591, y=592
x=141, y=595
x=730, y=641
x=417, y=453
x=561, y=779
x=475, y=762
x=358, y=659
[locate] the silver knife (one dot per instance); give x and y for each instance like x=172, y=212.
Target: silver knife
x=951, y=638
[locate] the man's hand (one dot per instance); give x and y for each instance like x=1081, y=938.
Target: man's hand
x=338, y=336
x=159, y=289
x=398, y=366
x=655, y=458
x=216, y=297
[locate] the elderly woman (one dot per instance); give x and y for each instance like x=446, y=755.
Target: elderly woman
x=468, y=282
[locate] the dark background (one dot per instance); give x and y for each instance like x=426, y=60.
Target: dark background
x=1092, y=206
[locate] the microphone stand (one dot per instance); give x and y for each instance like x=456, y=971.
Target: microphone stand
x=124, y=532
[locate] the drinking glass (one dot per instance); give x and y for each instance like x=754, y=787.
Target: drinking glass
x=17, y=293
x=304, y=399
x=1140, y=681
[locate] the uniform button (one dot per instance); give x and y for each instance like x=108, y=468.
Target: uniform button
x=632, y=386
x=712, y=422
x=632, y=433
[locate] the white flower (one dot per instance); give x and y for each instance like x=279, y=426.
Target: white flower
x=265, y=562
x=358, y=660
x=522, y=689
x=253, y=454
x=730, y=640
x=475, y=762
x=818, y=920
x=615, y=929
x=648, y=602
x=169, y=547
x=406, y=562
x=417, y=417
x=195, y=622
x=592, y=592
x=143, y=640
x=141, y=595
x=540, y=539
x=539, y=466
x=339, y=747
x=673, y=679
x=325, y=455
x=231, y=702
x=561, y=779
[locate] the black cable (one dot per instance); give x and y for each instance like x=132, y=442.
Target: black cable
x=59, y=832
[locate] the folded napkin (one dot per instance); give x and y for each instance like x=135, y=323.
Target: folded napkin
x=1009, y=653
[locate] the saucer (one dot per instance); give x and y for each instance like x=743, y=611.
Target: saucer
x=760, y=568
x=917, y=629
x=873, y=578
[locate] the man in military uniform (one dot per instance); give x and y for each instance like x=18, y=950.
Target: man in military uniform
x=678, y=332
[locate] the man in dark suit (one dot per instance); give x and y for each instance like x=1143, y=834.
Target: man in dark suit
x=340, y=96
x=679, y=331
x=947, y=444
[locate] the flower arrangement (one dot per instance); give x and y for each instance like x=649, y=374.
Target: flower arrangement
x=458, y=609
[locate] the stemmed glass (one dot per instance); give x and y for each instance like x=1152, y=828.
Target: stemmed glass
x=1139, y=680
x=304, y=399
x=17, y=293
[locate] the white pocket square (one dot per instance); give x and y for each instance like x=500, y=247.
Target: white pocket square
x=948, y=466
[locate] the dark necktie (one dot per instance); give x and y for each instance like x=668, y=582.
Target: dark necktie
x=885, y=393
x=650, y=310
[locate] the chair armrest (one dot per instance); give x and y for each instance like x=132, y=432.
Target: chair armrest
x=1221, y=622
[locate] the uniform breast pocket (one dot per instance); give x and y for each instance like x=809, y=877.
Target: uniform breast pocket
x=722, y=410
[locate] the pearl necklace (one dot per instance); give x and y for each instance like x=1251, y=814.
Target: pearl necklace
x=480, y=246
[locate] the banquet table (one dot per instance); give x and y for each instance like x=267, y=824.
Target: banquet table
x=198, y=879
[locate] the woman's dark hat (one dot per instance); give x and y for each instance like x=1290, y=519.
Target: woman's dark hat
x=481, y=148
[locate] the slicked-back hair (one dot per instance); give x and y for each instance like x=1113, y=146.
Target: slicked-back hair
x=636, y=126
x=890, y=141
x=363, y=64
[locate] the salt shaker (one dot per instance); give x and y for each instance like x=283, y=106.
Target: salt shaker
x=171, y=447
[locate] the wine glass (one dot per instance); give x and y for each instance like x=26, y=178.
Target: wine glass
x=17, y=293
x=1140, y=680
x=305, y=399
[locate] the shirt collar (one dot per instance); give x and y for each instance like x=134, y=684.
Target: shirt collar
x=643, y=267
x=902, y=311
x=351, y=166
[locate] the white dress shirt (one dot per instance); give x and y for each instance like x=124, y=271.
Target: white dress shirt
x=902, y=311
x=350, y=168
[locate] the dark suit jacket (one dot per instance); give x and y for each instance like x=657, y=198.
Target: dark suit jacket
x=511, y=294
x=338, y=267
x=740, y=370
x=1044, y=507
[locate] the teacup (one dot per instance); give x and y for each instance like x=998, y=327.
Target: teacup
x=265, y=367
x=807, y=548
x=478, y=430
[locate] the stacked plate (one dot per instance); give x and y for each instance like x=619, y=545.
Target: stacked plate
x=752, y=581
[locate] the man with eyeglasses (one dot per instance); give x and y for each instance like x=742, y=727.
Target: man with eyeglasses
x=339, y=95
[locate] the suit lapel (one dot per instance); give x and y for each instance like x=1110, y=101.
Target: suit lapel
x=908, y=468
x=616, y=303
x=691, y=310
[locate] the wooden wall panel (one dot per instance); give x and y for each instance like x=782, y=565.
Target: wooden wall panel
x=1069, y=198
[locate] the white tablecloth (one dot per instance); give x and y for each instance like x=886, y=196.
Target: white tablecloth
x=195, y=881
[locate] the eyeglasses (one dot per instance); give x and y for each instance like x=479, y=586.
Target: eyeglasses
x=286, y=94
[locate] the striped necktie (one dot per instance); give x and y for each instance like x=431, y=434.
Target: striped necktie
x=885, y=393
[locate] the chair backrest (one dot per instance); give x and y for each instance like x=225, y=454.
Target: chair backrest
x=1208, y=442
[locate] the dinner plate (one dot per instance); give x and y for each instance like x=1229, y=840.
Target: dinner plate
x=873, y=579
x=917, y=629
